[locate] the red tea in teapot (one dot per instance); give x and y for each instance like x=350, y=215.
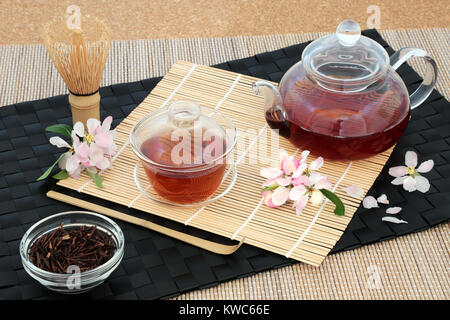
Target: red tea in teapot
x=180, y=183
x=344, y=100
x=353, y=126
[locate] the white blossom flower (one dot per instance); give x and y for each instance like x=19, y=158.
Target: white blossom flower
x=409, y=176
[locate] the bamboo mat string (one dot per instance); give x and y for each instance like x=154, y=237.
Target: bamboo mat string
x=235, y=82
x=242, y=226
x=137, y=197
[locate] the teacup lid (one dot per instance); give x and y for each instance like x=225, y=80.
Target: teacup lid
x=346, y=57
x=194, y=135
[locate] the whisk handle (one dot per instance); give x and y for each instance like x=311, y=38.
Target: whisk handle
x=84, y=107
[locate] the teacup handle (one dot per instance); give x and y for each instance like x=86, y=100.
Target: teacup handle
x=425, y=88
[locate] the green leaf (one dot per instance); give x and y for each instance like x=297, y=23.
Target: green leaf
x=340, y=208
x=61, y=175
x=63, y=129
x=49, y=170
x=97, y=179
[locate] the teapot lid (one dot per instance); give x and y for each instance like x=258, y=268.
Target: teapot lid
x=346, y=60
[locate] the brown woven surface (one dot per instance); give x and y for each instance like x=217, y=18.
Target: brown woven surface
x=411, y=267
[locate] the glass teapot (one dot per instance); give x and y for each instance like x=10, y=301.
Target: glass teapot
x=344, y=100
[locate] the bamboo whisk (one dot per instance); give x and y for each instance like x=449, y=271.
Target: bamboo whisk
x=80, y=56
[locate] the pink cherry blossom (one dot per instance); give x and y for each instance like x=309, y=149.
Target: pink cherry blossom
x=295, y=180
x=409, y=176
x=91, y=150
x=97, y=145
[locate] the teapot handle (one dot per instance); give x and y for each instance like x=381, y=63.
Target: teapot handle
x=425, y=88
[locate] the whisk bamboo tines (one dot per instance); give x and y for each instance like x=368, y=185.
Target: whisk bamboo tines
x=80, y=56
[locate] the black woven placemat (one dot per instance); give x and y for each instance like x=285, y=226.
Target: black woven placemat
x=156, y=266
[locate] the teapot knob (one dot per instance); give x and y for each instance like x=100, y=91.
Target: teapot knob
x=348, y=32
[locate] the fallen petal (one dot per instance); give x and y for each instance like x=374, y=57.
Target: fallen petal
x=393, y=220
x=397, y=171
x=426, y=166
x=393, y=210
x=411, y=159
x=370, y=202
x=422, y=184
x=383, y=199
x=280, y=196
x=354, y=191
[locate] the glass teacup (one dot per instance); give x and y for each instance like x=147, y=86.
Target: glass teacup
x=184, y=150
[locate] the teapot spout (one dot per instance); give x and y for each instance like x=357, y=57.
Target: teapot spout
x=272, y=97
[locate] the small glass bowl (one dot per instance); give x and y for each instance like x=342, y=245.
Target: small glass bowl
x=67, y=283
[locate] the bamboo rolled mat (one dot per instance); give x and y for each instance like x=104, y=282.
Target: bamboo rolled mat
x=414, y=266
x=240, y=214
